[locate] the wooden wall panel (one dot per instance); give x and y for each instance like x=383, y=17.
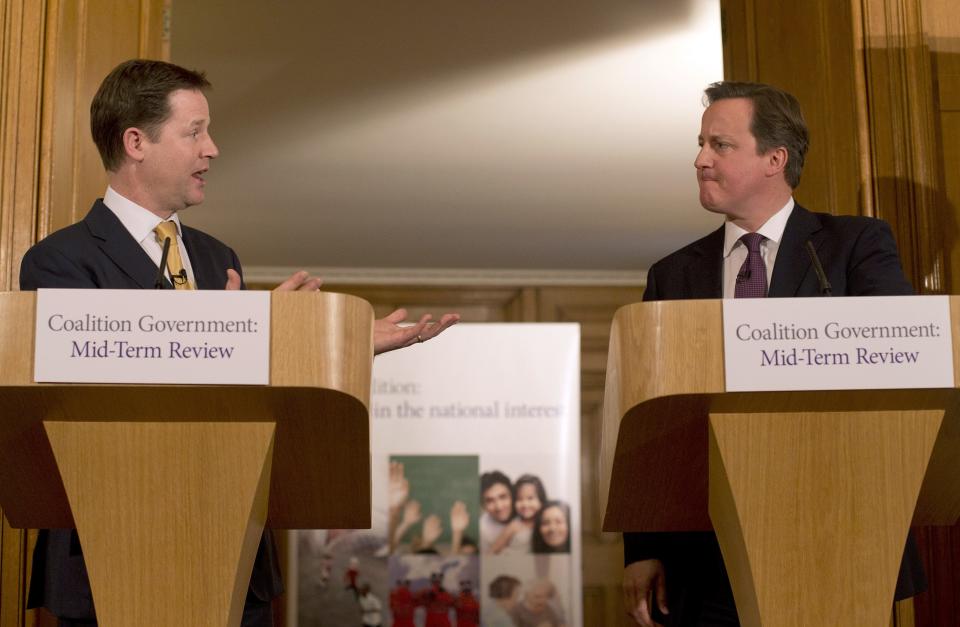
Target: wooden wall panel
x=794, y=45
x=23, y=25
x=78, y=57
x=950, y=125
x=901, y=117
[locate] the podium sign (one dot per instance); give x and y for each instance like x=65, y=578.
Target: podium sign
x=161, y=336
x=779, y=344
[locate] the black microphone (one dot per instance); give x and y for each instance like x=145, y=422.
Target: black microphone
x=744, y=275
x=825, y=288
x=163, y=264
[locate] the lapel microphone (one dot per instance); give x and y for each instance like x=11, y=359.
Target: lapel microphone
x=163, y=264
x=825, y=288
x=743, y=275
x=180, y=278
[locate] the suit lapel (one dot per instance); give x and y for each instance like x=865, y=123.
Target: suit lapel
x=705, y=276
x=793, y=261
x=117, y=244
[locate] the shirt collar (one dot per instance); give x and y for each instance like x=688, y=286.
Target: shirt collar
x=772, y=229
x=138, y=220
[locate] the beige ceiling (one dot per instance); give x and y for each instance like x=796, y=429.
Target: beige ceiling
x=473, y=137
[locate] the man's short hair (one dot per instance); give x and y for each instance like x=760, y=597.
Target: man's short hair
x=503, y=586
x=136, y=95
x=777, y=121
x=492, y=478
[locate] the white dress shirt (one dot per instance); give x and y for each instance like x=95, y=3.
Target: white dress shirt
x=735, y=253
x=140, y=223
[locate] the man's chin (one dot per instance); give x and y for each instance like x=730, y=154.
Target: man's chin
x=711, y=207
x=194, y=199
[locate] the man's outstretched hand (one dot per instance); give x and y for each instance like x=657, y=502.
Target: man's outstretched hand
x=388, y=335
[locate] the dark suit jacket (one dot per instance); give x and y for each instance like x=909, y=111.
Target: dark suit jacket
x=99, y=253
x=859, y=256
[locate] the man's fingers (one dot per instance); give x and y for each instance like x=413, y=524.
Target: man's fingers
x=661, y=592
x=418, y=332
x=432, y=330
x=311, y=285
x=630, y=600
x=233, y=280
x=446, y=321
x=295, y=280
x=396, y=316
x=642, y=613
x=300, y=281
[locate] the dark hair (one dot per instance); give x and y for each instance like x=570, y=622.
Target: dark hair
x=777, y=121
x=136, y=94
x=537, y=543
x=530, y=480
x=503, y=586
x=492, y=478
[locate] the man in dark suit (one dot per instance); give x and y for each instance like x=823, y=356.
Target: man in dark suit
x=150, y=121
x=753, y=140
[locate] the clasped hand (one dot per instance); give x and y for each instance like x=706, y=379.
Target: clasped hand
x=644, y=583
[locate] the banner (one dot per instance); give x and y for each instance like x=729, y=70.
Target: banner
x=475, y=446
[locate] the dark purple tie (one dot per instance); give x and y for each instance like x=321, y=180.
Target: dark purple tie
x=752, y=278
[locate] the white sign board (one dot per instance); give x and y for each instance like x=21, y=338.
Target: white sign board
x=481, y=411
x=152, y=336
x=892, y=342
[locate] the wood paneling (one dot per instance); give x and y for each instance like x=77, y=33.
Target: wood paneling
x=794, y=45
x=906, y=173
x=78, y=56
x=22, y=23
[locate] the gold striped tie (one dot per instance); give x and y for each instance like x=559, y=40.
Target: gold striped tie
x=174, y=261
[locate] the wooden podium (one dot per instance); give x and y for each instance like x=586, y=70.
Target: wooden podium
x=811, y=493
x=170, y=504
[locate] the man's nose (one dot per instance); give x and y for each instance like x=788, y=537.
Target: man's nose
x=702, y=160
x=212, y=151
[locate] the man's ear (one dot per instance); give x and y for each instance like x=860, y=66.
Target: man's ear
x=133, y=143
x=777, y=160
